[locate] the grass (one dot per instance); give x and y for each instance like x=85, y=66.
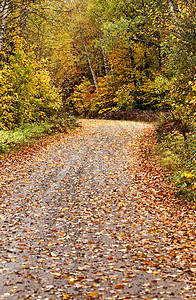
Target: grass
x=12, y=140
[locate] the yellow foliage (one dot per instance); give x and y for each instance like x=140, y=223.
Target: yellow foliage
x=82, y=98
x=25, y=89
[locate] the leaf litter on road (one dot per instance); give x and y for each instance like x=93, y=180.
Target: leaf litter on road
x=88, y=216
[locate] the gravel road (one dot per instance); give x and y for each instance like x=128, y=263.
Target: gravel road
x=71, y=227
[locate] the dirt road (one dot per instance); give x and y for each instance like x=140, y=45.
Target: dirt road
x=73, y=225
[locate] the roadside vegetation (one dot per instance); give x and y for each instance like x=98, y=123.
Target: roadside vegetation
x=177, y=156
x=27, y=134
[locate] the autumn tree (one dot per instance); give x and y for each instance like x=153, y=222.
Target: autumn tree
x=26, y=89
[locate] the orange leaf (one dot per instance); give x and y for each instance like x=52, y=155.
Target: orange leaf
x=119, y=286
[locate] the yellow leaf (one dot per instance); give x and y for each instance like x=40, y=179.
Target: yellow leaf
x=52, y=243
x=57, y=275
x=71, y=280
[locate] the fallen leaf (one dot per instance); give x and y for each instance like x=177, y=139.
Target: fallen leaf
x=119, y=286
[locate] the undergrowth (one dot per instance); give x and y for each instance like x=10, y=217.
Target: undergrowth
x=27, y=134
x=178, y=157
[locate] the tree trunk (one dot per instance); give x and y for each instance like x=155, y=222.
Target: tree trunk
x=104, y=58
x=171, y=7
x=4, y=12
x=89, y=61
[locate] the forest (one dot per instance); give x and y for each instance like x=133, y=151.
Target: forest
x=86, y=58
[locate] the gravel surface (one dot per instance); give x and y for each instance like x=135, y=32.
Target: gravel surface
x=71, y=227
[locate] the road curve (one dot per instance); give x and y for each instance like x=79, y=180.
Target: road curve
x=70, y=224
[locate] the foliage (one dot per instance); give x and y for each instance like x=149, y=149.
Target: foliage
x=143, y=46
x=85, y=102
x=82, y=99
x=178, y=157
x=25, y=90
x=124, y=98
x=105, y=100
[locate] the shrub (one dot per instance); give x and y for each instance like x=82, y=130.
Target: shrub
x=178, y=156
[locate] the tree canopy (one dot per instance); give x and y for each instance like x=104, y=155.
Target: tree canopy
x=89, y=57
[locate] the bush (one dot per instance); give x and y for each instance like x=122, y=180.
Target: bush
x=178, y=156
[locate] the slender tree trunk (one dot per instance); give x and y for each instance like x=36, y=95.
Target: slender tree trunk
x=97, y=70
x=171, y=7
x=112, y=76
x=104, y=58
x=89, y=61
x=160, y=62
x=4, y=12
x=103, y=52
